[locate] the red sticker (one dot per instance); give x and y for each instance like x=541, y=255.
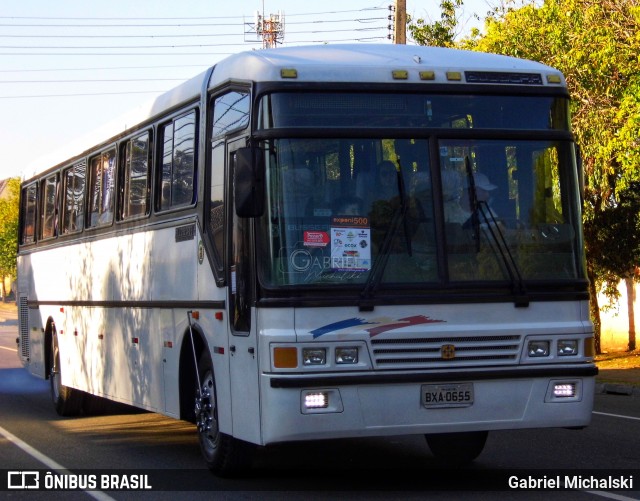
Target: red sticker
x=316, y=238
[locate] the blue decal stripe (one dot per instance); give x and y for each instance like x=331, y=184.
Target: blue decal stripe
x=336, y=326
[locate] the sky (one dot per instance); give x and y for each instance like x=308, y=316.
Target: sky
x=69, y=66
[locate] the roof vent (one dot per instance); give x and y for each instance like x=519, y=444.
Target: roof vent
x=495, y=77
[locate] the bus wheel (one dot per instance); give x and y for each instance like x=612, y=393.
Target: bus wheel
x=224, y=455
x=67, y=401
x=457, y=448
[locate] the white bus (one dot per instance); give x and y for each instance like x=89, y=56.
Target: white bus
x=321, y=242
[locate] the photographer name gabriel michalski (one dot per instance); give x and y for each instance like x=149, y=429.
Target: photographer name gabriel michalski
x=571, y=482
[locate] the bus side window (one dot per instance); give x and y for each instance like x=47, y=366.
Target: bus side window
x=135, y=177
x=49, y=209
x=102, y=188
x=29, y=201
x=73, y=207
x=178, y=162
x=230, y=113
x=216, y=207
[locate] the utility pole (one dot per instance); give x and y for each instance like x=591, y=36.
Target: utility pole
x=400, y=24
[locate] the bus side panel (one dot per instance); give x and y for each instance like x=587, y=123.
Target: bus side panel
x=163, y=323
x=36, y=344
x=108, y=348
x=31, y=349
x=216, y=331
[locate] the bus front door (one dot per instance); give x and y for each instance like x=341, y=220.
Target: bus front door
x=245, y=402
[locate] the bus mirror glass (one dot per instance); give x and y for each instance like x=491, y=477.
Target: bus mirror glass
x=248, y=183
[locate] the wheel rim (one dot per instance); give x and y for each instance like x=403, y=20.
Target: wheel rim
x=206, y=418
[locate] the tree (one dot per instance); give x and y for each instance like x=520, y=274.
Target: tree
x=9, y=232
x=438, y=33
x=596, y=45
x=621, y=218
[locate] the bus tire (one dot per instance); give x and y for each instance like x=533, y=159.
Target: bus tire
x=457, y=448
x=93, y=405
x=224, y=455
x=66, y=401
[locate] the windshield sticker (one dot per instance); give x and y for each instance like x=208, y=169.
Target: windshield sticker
x=350, y=243
x=316, y=238
x=382, y=324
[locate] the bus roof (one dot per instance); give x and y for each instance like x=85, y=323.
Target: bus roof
x=369, y=63
x=364, y=63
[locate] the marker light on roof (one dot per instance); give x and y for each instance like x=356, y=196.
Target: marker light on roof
x=289, y=73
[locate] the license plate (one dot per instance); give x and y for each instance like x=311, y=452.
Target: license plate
x=447, y=395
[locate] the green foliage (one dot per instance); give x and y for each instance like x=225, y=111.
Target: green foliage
x=9, y=229
x=620, y=255
x=596, y=45
x=438, y=33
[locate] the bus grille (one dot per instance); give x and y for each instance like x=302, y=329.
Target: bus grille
x=462, y=351
x=23, y=319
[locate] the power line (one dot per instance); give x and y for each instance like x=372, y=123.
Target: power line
x=197, y=35
x=113, y=47
x=84, y=94
x=177, y=18
x=326, y=26
x=321, y=41
x=104, y=68
x=173, y=46
x=120, y=53
x=120, y=25
x=112, y=80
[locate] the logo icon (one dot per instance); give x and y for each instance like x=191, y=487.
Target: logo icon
x=23, y=480
x=448, y=351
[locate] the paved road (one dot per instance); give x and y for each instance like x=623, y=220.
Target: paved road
x=33, y=437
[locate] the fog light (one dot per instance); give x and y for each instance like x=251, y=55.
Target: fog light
x=318, y=400
x=564, y=390
x=567, y=347
x=314, y=356
x=538, y=349
x=347, y=355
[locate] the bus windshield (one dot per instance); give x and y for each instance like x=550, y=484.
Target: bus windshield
x=335, y=211
x=387, y=211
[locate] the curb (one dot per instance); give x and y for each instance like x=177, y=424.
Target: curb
x=617, y=389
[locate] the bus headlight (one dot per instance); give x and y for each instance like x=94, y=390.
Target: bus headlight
x=314, y=356
x=567, y=347
x=347, y=355
x=538, y=348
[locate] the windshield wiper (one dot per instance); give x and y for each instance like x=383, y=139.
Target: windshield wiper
x=377, y=270
x=481, y=208
x=473, y=202
x=518, y=289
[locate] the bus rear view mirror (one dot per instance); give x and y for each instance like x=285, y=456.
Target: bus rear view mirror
x=248, y=183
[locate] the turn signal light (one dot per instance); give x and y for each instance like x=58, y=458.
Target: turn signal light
x=285, y=357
